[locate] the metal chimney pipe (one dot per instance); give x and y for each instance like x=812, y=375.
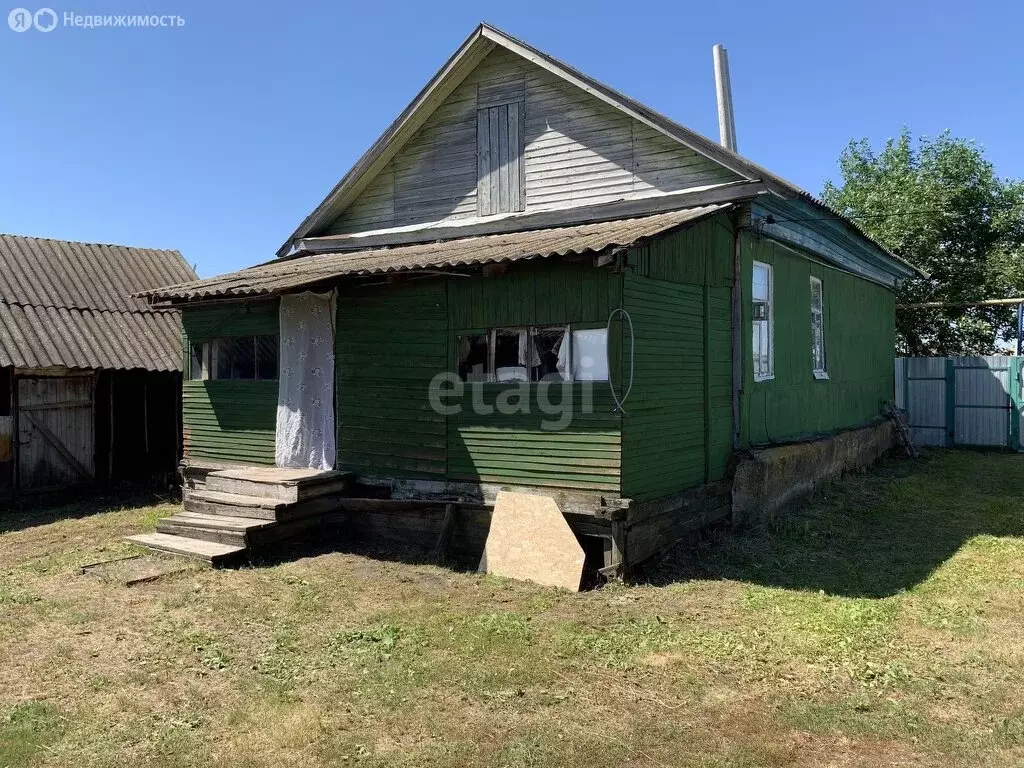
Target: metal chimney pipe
x=723, y=88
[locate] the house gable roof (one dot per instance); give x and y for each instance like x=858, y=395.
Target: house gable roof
x=473, y=50
x=484, y=39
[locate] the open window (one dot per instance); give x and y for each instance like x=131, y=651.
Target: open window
x=817, y=329
x=511, y=353
x=235, y=357
x=762, y=318
x=534, y=353
x=199, y=361
x=474, y=357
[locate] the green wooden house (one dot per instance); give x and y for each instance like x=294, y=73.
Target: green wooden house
x=537, y=282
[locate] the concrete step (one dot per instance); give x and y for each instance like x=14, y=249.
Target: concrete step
x=236, y=531
x=234, y=505
x=211, y=552
x=287, y=485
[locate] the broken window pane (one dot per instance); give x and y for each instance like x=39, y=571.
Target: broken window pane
x=510, y=346
x=197, y=367
x=549, y=356
x=474, y=357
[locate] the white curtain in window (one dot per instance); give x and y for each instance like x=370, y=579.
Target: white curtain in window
x=305, y=401
x=563, y=358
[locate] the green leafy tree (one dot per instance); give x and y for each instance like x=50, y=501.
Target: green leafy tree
x=939, y=204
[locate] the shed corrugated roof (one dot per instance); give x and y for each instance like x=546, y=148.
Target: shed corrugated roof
x=283, y=275
x=74, y=305
x=40, y=272
x=45, y=337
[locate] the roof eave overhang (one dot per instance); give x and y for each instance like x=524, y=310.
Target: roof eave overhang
x=732, y=192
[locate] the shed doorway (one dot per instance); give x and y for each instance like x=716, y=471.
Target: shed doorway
x=305, y=434
x=55, y=432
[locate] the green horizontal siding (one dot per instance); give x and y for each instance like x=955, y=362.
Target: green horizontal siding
x=677, y=430
x=390, y=342
x=537, y=448
x=229, y=420
x=517, y=449
x=663, y=428
x=859, y=331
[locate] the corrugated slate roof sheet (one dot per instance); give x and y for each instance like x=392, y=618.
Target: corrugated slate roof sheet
x=285, y=275
x=74, y=305
x=43, y=337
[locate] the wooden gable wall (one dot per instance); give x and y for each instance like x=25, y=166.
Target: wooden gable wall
x=578, y=151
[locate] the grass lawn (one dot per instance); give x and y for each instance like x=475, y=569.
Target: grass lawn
x=881, y=624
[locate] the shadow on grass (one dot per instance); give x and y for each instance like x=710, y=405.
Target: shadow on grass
x=29, y=512
x=869, y=535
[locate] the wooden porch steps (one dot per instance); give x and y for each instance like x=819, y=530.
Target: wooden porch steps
x=287, y=485
x=212, y=552
x=237, y=531
x=234, y=504
x=246, y=508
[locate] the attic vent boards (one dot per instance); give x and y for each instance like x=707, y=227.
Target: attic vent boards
x=500, y=128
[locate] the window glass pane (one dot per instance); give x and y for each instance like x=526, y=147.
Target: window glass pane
x=761, y=290
x=197, y=365
x=761, y=316
x=590, y=355
x=815, y=295
x=236, y=358
x=510, y=346
x=817, y=326
x=474, y=357
x=266, y=357
x=549, y=354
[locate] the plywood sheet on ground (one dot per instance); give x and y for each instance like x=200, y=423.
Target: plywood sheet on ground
x=530, y=540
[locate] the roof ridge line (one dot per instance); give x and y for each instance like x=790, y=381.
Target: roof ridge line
x=87, y=242
x=76, y=308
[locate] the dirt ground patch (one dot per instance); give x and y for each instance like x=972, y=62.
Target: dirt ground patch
x=878, y=625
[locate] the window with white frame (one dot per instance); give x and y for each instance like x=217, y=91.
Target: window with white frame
x=762, y=311
x=817, y=329
x=534, y=353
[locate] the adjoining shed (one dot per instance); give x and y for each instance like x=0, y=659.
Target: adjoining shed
x=531, y=281
x=90, y=377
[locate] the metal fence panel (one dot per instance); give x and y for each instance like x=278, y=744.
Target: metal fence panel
x=962, y=400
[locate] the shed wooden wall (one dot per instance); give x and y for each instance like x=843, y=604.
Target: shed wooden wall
x=578, y=151
x=677, y=429
x=6, y=433
x=225, y=420
x=859, y=335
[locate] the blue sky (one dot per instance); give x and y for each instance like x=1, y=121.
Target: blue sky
x=218, y=137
